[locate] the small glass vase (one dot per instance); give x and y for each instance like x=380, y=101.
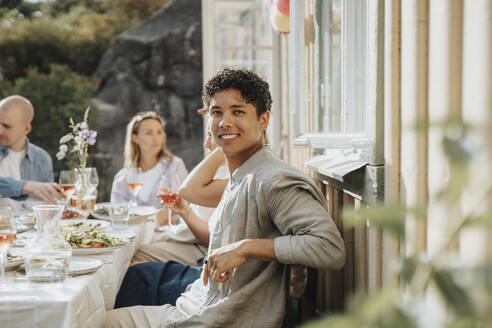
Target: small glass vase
x=47, y=256
x=85, y=194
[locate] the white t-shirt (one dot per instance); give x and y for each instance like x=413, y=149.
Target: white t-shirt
x=10, y=165
x=147, y=195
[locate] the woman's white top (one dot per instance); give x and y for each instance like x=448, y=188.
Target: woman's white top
x=147, y=196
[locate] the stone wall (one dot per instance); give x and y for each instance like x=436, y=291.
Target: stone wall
x=156, y=65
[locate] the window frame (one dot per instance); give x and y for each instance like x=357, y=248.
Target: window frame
x=210, y=59
x=369, y=143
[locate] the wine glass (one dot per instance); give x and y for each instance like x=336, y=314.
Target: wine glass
x=66, y=183
x=167, y=192
x=133, y=177
x=7, y=235
x=93, y=177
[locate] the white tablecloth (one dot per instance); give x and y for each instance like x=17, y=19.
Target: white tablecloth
x=77, y=302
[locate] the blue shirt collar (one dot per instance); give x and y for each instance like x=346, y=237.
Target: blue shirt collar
x=29, y=150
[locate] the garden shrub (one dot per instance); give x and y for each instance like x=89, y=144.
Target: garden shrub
x=77, y=38
x=56, y=97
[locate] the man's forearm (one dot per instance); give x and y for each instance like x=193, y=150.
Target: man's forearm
x=10, y=187
x=261, y=249
x=200, y=187
x=197, y=226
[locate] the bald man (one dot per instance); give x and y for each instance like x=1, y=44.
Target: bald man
x=25, y=169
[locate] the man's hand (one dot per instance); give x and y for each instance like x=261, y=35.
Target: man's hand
x=222, y=260
x=47, y=192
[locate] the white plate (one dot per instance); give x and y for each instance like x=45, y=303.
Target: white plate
x=83, y=265
x=22, y=228
x=143, y=210
x=26, y=218
x=13, y=264
x=93, y=251
x=123, y=234
x=30, y=203
x=99, y=224
x=134, y=211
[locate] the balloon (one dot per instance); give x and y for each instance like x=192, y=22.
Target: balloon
x=281, y=23
x=283, y=6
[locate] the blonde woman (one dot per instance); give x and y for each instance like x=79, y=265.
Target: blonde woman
x=145, y=148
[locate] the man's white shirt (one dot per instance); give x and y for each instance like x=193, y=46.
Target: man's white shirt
x=10, y=165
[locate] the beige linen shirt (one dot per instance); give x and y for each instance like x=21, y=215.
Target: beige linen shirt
x=266, y=198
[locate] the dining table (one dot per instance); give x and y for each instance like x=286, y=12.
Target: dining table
x=79, y=301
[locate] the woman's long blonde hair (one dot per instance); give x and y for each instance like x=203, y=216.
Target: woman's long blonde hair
x=132, y=150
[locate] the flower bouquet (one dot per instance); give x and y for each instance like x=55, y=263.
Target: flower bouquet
x=75, y=147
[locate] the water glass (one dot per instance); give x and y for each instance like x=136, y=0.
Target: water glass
x=119, y=214
x=47, y=256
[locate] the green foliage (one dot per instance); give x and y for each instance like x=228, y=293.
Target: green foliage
x=389, y=217
x=60, y=7
x=78, y=40
x=465, y=290
x=56, y=97
x=365, y=311
x=5, y=87
x=19, y=6
x=134, y=11
x=70, y=32
x=454, y=294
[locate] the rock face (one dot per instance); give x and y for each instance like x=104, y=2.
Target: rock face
x=156, y=65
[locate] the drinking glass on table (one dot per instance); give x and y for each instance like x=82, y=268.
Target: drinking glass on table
x=119, y=214
x=93, y=183
x=133, y=177
x=167, y=192
x=86, y=182
x=7, y=236
x=66, y=183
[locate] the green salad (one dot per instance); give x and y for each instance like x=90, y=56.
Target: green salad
x=102, y=211
x=91, y=239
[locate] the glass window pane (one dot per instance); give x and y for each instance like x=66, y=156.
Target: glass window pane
x=329, y=29
x=242, y=23
x=356, y=113
x=259, y=61
x=334, y=114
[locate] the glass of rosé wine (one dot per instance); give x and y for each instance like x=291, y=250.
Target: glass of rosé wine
x=133, y=177
x=66, y=183
x=7, y=236
x=167, y=193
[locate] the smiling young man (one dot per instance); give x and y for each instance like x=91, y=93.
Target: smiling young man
x=270, y=215
x=25, y=169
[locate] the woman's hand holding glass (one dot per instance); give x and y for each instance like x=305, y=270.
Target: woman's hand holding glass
x=180, y=207
x=7, y=235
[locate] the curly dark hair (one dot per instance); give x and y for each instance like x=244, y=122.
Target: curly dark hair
x=253, y=88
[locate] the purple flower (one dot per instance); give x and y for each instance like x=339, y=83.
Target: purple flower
x=84, y=125
x=92, y=138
